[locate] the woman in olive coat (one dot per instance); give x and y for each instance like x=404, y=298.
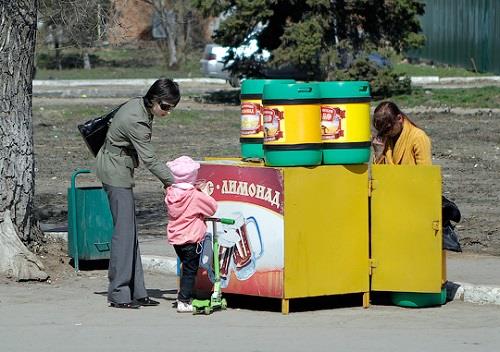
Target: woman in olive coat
x=128, y=142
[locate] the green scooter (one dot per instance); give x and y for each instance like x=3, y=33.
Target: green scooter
x=216, y=302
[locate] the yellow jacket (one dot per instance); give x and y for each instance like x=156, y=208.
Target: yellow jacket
x=413, y=147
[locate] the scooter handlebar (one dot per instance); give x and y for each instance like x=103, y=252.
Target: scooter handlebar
x=226, y=221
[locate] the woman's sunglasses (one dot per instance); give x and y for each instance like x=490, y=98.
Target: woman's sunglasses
x=166, y=106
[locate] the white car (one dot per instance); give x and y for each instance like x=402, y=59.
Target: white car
x=212, y=62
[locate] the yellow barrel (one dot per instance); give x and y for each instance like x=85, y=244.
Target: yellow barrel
x=345, y=122
x=292, y=133
x=252, y=131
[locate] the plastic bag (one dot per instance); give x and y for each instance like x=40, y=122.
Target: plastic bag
x=450, y=239
x=450, y=213
x=207, y=256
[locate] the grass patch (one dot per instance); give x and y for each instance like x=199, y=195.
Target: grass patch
x=53, y=115
x=194, y=132
x=229, y=118
x=430, y=70
x=487, y=97
x=123, y=63
x=109, y=73
x=58, y=112
x=150, y=63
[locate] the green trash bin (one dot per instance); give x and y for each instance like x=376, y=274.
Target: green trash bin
x=90, y=224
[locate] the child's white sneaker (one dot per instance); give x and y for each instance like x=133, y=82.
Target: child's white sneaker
x=184, y=307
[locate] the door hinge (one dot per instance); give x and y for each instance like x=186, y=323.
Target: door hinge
x=436, y=226
x=372, y=264
x=372, y=185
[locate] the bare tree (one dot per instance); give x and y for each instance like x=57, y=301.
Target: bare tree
x=79, y=23
x=174, y=22
x=18, y=22
x=164, y=22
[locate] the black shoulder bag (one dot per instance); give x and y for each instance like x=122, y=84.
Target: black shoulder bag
x=94, y=131
x=450, y=213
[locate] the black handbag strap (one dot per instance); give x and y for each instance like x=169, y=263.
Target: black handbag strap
x=112, y=113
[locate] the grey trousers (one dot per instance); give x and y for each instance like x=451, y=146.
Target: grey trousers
x=126, y=278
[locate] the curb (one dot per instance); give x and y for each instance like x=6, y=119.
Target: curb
x=417, y=81
x=424, y=80
x=457, y=291
x=159, y=264
x=479, y=294
x=152, y=263
x=117, y=82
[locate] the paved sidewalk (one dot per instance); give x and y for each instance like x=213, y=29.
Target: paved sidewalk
x=455, y=82
x=73, y=316
x=100, y=88
x=415, y=80
x=462, y=267
x=474, y=268
x=477, y=275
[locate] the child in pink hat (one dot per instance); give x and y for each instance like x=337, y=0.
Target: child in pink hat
x=187, y=207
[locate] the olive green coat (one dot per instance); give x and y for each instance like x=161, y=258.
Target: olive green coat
x=128, y=141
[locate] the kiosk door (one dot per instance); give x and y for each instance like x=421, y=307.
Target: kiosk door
x=405, y=228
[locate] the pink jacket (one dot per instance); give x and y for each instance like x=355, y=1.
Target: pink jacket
x=187, y=207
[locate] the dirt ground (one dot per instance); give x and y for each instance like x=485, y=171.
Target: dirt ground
x=466, y=146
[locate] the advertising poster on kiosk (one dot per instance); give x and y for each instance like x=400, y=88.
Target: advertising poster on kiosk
x=251, y=250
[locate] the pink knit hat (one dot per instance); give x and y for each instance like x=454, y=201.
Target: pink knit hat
x=184, y=169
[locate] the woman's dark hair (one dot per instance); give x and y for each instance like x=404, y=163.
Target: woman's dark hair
x=165, y=90
x=385, y=116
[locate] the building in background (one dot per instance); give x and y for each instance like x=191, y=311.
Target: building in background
x=133, y=21
x=462, y=33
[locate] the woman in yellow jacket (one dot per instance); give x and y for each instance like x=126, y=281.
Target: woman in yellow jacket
x=399, y=141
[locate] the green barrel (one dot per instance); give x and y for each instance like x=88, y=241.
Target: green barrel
x=90, y=223
x=418, y=300
x=292, y=133
x=252, y=130
x=345, y=122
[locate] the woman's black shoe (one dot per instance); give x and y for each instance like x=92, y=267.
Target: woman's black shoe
x=130, y=305
x=147, y=302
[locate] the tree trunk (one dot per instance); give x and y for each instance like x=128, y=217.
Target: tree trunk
x=57, y=47
x=171, y=35
x=86, y=60
x=17, y=224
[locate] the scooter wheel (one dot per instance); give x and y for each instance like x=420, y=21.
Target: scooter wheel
x=223, y=304
x=207, y=310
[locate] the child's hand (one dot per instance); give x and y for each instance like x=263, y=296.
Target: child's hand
x=202, y=185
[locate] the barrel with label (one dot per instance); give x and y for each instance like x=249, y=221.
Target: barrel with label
x=252, y=130
x=292, y=133
x=345, y=122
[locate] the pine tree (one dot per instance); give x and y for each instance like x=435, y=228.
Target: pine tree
x=325, y=39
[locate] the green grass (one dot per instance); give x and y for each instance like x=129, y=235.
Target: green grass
x=186, y=117
x=191, y=69
x=487, y=97
x=125, y=63
x=112, y=73
x=119, y=54
x=150, y=63
x=429, y=70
